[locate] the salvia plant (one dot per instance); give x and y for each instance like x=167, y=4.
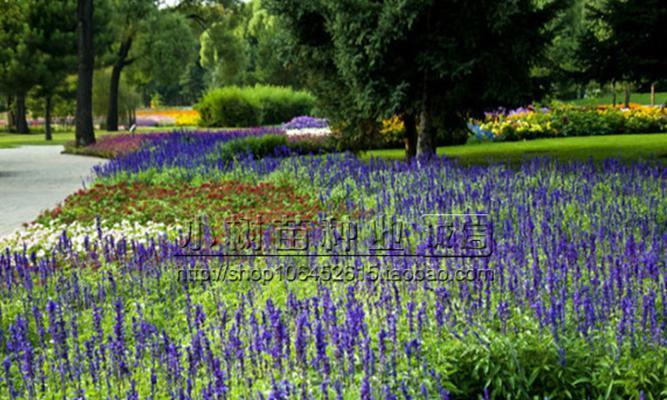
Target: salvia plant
x=575, y=307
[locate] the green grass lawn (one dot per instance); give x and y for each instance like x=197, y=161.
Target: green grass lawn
x=626, y=147
x=12, y=140
x=36, y=137
x=640, y=98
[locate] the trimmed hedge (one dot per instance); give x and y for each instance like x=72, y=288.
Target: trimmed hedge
x=272, y=145
x=235, y=106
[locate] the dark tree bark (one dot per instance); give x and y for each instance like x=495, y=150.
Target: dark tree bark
x=613, y=94
x=425, y=130
x=410, y=135
x=84, y=90
x=47, y=118
x=11, y=120
x=21, y=122
x=653, y=93
x=121, y=62
x=626, y=101
x=112, y=116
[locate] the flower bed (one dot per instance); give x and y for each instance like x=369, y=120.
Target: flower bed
x=305, y=125
x=115, y=145
x=178, y=117
x=564, y=120
x=179, y=203
x=575, y=304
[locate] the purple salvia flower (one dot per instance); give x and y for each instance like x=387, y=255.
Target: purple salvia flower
x=321, y=360
x=300, y=342
x=365, y=389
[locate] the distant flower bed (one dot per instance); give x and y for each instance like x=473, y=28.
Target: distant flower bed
x=304, y=121
x=564, y=120
x=130, y=144
x=178, y=117
x=305, y=125
x=114, y=145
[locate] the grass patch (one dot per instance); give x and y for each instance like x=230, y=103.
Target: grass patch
x=61, y=137
x=8, y=140
x=625, y=147
x=639, y=98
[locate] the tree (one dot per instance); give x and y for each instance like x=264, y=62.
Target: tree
x=416, y=57
x=164, y=49
x=223, y=50
x=621, y=42
x=559, y=72
x=17, y=62
x=54, y=49
x=128, y=19
x=128, y=98
x=267, y=44
x=84, y=133
x=193, y=81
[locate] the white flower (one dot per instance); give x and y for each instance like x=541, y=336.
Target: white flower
x=308, y=131
x=42, y=239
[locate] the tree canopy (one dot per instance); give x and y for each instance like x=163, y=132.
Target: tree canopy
x=417, y=56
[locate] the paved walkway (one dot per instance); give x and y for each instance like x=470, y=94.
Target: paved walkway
x=35, y=178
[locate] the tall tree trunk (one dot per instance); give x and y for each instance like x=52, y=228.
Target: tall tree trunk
x=653, y=93
x=425, y=131
x=613, y=93
x=112, y=116
x=410, y=135
x=47, y=118
x=121, y=62
x=626, y=101
x=84, y=90
x=21, y=122
x=11, y=119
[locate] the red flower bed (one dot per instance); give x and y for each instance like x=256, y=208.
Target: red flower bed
x=169, y=203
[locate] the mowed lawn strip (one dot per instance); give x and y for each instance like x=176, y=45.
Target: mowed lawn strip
x=36, y=136
x=637, y=98
x=625, y=147
x=9, y=140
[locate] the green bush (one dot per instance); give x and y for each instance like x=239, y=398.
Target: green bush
x=281, y=104
x=314, y=144
x=228, y=107
x=258, y=146
x=269, y=145
x=235, y=106
x=525, y=364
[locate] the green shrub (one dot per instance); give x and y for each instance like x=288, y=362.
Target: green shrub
x=281, y=104
x=235, y=106
x=528, y=365
x=228, y=107
x=314, y=144
x=258, y=146
x=269, y=145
